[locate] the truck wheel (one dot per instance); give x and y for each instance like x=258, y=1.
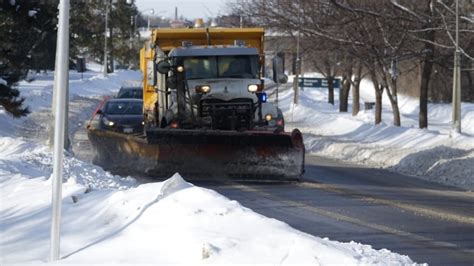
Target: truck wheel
x=163, y=123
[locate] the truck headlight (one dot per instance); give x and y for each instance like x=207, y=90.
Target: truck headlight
x=203, y=89
x=252, y=88
x=268, y=117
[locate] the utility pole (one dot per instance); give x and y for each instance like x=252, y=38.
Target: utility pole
x=107, y=2
x=111, y=49
x=456, y=112
x=60, y=85
x=296, y=88
x=132, y=31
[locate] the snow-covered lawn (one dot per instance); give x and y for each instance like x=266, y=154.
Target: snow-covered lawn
x=435, y=154
x=111, y=219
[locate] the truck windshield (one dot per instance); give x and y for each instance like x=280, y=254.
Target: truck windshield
x=206, y=67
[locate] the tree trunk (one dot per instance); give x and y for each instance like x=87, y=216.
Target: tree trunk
x=356, y=98
x=396, y=115
x=392, y=95
x=427, y=62
x=344, y=95
x=378, y=97
x=356, y=90
x=345, y=87
x=378, y=105
x=330, y=89
x=425, y=81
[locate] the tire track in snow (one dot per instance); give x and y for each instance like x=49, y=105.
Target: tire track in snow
x=38, y=125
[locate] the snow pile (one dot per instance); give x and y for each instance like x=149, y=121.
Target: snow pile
x=436, y=154
x=109, y=219
x=34, y=161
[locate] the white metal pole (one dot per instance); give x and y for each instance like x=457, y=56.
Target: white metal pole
x=456, y=112
x=148, y=24
x=105, y=36
x=298, y=66
x=60, y=85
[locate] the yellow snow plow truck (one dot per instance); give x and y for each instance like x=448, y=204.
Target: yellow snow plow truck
x=205, y=111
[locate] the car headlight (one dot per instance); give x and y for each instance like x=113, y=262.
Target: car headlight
x=252, y=88
x=107, y=122
x=180, y=69
x=268, y=117
x=203, y=89
x=143, y=123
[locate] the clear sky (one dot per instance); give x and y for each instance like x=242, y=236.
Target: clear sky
x=190, y=9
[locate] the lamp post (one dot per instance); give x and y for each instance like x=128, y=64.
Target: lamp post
x=152, y=11
x=134, y=18
x=298, y=59
x=456, y=112
x=61, y=79
x=107, y=3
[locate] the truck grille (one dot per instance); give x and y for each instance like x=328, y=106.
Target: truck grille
x=228, y=115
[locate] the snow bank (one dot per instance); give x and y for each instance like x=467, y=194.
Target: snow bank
x=106, y=219
x=435, y=154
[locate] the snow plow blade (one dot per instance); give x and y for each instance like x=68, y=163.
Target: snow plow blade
x=202, y=154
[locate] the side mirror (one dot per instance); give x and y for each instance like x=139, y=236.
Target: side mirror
x=171, y=82
x=163, y=67
x=100, y=112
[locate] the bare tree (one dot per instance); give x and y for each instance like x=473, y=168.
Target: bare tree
x=327, y=62
x=377, y=34
x=432, y=28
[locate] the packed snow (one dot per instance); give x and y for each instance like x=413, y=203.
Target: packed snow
x=436, y=154
x=112, y=219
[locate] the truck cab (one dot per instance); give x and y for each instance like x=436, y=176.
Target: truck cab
x=223, y=89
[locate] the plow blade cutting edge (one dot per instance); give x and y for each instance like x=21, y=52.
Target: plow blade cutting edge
x=201, y=153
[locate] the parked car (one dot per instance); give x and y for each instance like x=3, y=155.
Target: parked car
x=130, y=92
x=122, y=115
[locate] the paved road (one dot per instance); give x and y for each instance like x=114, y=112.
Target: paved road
x=428, y=222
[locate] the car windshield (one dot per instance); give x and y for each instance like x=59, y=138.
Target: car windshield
x=130, y=93
x=124, y=108
x=205, y=67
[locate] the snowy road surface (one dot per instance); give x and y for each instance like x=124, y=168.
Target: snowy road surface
x=430, y=223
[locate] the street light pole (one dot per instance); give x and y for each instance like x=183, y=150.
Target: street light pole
x=298, y=60
x=456, y=112
x=105, y=36
x=60, y=84
x=152, y=11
